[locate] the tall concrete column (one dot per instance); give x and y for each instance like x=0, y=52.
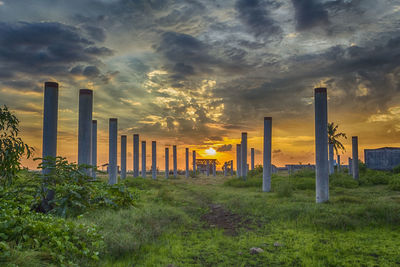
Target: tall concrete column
x=123, y=156
x=208, y=169
x=50, y=118
x=175, y=161
x=244, y=167
x=338, y=163
x=112, y=151
x=354, y=141
x=252, y=159
x=214, y=166
x=231, y=167
x=187, y=162
x=321, y=145
x=331, y=160
x=194, y=162
x=225, y=169
x=267, y=168
x=154, y=159
x=350, y=166
x=166, y=162
x=144, y=159
x=238, y=159
x=85, y=128
x=135, y=155
x=94, y=147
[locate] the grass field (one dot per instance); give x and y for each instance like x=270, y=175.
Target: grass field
x=215, y=221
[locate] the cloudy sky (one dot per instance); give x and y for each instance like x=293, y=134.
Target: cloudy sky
x=197, y=73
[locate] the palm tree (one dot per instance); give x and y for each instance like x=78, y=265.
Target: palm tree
x=333, y=137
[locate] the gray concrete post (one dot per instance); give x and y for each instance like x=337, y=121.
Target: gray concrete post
x=94, y=147
x=123, y=156
x=50, y=118
x=85, y=128
x=338, y=163
x=187, y=162
x=225, y=169
x=331, y=160
x=252, y=159
x=238, y=160
x=175, y=158
x=321, y=145
x=244, y=167
x=214, y=166
x=194, y=162
x=166, y=162
x=154, y=159
x=354, y=141
x=208, y=169
x=144, y=159
x=112, y=151
x=135, y=155
x=350, y=166
x=231, y=167
x=267, y=168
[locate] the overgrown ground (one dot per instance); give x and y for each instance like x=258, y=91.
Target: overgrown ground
x=208, y=221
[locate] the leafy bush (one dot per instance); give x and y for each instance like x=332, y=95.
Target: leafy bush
x=12, y=148
x=75, y=191
x=63, y=241
x=372, y=177
x=305, y=183
x=257, y=172
x=284, y=189
x=342, y=180
x=396, y=169
x=304, y=173
x=394, y=183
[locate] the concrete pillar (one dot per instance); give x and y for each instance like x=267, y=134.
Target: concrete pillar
x=225, y=169
x=338, y=163
x=214, y=167
x=321, y=145
x=166, y=162
x=238, y=159
x=208, y=169
x=175, y=161
x=187, y=162
x=267, y=168
x=135, y=155
x=154, y=159
x=252, y=159
x=350, y=166
x=50, y=118
x=112, y=151
x=85, y=128
x=331, y=160
x=244, y=167
x=94, y=147
x=144, y=159
x=231, y=167
x=354, y=141
x=123, y=156
x=194, y=162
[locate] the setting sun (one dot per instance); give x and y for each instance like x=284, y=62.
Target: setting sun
x=211, y=151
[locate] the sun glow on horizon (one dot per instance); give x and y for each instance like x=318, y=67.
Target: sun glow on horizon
x=211, y=151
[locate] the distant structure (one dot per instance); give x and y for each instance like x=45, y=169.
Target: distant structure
x=385, y=158
x=292, y=168
x=201, y=164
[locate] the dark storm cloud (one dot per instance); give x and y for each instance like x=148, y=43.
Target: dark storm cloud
x=46, y=48
x=224, y=148
x=96, y=33
x=255, y=15
x=309, y=14
x=91, y=71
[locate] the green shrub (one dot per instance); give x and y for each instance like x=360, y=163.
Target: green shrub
x=304, y=183
x=373, y=177
x=394, y=183
x=342, y=180
x=304, y=173
x=396, y=169
x=257, y=172
x=64, y=242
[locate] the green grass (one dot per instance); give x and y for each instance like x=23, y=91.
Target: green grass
x=359, y=226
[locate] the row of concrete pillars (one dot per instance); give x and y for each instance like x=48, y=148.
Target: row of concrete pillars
x=87, y=143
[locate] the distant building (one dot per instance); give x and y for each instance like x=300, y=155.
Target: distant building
x=202, y=164
x=385, y=158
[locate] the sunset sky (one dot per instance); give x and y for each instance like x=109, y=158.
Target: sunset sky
x=197, y=73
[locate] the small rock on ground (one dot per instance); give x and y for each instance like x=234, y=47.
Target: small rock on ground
x=256, y=250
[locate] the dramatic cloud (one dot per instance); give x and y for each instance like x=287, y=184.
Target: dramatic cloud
x=224, y=148
x=309, y=14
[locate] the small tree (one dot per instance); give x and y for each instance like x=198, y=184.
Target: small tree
x=12, y=148
x=333, y=137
